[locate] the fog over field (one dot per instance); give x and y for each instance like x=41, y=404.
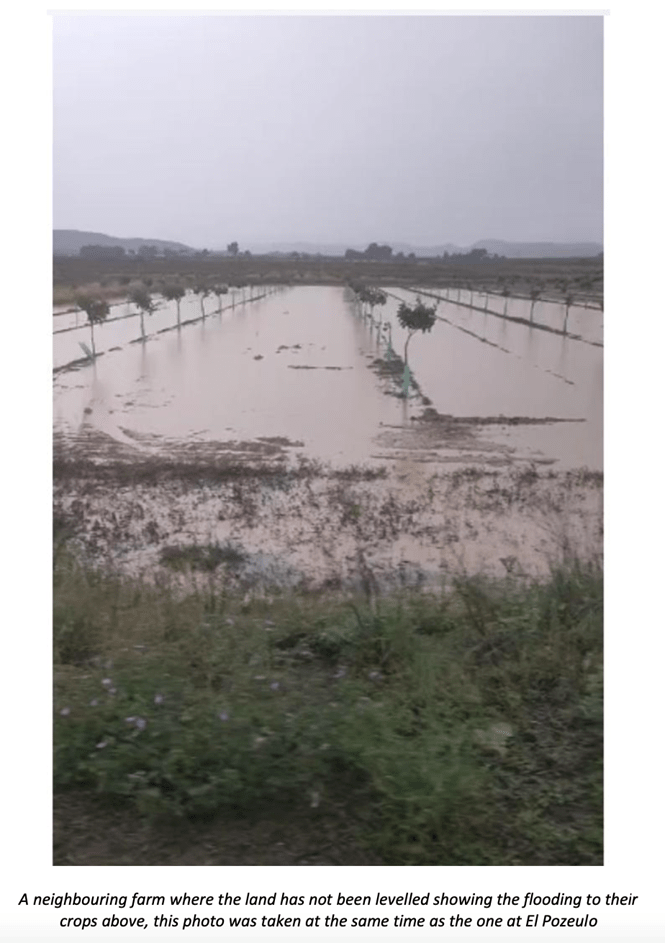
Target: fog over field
x=422, y=130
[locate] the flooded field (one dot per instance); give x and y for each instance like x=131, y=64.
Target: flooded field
x=274, y=429
x=297, y=366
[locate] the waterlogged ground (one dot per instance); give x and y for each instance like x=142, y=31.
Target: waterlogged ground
x=266, y=449
x=291, y=366
x=315, y=530
x=297, y=366
x=250, y=430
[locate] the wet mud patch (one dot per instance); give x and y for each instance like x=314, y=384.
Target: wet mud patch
x=204, y=558
x=89, y=444
x=313, y=527
x=461, y=440
x=391, y=371
x=306, y=366
x=431, y=415
x=280, y=440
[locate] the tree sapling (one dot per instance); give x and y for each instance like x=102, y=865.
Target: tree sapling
x=143, y=301
x=97, y=311
x=420, y=317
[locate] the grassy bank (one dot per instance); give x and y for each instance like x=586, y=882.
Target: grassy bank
x=455, y=730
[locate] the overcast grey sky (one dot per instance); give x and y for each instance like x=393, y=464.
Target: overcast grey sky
x=345, y=129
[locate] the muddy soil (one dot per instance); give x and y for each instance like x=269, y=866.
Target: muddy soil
x=416, y=521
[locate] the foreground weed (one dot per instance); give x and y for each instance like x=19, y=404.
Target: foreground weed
x=460, y=729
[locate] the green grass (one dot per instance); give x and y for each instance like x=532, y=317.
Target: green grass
x=460, y=729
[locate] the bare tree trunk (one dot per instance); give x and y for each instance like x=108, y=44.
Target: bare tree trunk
x=406, y=347
x=407, y=369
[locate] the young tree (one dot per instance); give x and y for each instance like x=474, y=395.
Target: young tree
x=420, y=317
x=143, y=301
x=535, y=295
x=97, y=311
x=202, y=291
x=371, y=297
x=357, y=290
x=234, y=286
x=174, y=292
x=376, y=297
x=388, y=331
x=220, y=290
x=506, y=295
x=569, y=301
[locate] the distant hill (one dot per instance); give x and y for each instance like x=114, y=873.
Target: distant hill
x=70, y=242
x=512, y=250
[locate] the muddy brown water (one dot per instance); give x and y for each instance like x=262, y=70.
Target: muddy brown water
x=297, y=365
x=295, y=375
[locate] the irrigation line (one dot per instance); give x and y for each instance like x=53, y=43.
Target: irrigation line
x=81, y=361
x=505, y=317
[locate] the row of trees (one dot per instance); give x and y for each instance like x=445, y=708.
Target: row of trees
x=97, y=309
x=535, y=295
x=377, y=253
x=415, y=318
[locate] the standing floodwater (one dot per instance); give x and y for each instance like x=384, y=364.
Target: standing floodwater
x=299, y=366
